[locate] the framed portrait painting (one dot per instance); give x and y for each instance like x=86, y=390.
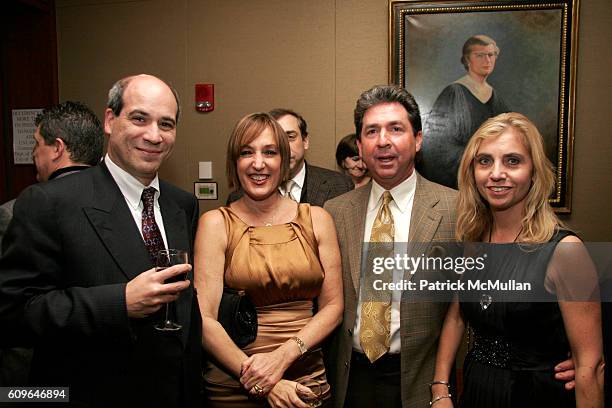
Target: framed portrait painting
x=466, y=61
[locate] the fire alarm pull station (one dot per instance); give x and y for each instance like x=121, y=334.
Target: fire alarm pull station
x=205, y=97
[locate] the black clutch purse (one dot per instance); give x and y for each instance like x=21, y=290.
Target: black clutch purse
x=238, y=316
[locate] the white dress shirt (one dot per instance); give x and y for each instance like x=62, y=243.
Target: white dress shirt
x=298, y=185
x=401, y=209
x=132, y=189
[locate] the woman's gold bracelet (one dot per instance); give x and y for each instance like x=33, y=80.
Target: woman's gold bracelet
x=438, y=398
x=301, y=345
x=434, y=382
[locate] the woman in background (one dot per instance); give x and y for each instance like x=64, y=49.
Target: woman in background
x=505, y=180
x=283, y=255
x=347, y=157
x=459, y=110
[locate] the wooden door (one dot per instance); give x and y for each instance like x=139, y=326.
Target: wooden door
x=28, y=78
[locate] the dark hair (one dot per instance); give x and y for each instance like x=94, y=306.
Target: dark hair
x=115, y=96
x=387, y=94
x=347, y=147
x=479, y=39
x=248, y=129
x=278, y=113
x=77, y=126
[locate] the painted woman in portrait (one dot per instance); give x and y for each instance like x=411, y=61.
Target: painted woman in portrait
x=459, y=110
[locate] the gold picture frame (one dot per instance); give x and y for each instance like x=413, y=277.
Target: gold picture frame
x=535, y=71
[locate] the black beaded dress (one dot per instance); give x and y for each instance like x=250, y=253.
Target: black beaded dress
x=515, y=345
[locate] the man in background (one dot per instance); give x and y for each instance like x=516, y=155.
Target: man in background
x=68, y=138
x=307, y=183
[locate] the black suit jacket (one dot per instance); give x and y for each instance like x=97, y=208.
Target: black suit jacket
x=68, y=254
x=320, y=185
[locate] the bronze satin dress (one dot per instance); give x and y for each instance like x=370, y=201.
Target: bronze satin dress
x=278, y=266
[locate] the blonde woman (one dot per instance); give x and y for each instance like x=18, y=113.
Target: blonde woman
x=505, y=180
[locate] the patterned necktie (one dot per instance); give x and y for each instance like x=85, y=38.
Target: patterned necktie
x=374, y=333
x=150, y=231
x=288, y=189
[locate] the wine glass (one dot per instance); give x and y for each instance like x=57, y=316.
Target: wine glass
x=316, y=388
x=165, y=259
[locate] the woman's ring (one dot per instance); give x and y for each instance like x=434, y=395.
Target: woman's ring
x=258, y=389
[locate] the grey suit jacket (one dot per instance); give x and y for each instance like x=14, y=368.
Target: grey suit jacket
x=432, y=220
x=323, y=184
x=320, y=185
x=71, y=249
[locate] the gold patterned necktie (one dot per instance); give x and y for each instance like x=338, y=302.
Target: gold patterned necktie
x=288, y=188
x=374, y=333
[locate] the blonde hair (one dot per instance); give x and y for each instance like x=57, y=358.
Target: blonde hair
x=474, y=218
x=248, y=129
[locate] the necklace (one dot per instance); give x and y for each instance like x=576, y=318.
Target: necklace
x=513, y=241
x=268, y=221
x=486, y=299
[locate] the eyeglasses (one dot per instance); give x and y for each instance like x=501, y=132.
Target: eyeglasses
x=483, y=55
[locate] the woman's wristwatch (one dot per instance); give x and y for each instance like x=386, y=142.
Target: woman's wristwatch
x=301, y=345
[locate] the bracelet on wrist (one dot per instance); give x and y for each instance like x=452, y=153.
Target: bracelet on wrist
x=301, y=345
x=441, y=382
x=438, y=398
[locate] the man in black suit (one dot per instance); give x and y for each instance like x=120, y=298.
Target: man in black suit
x=77, y=280
x=308, y=183
x=68, y=138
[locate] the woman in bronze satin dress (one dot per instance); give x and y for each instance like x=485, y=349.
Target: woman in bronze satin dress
x=283, y=254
